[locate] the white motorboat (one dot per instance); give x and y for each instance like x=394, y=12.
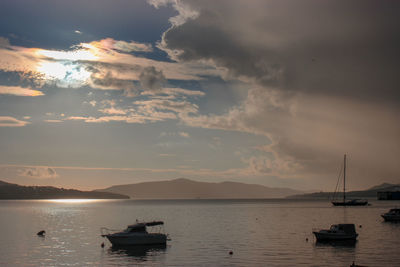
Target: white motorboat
x=137, y=234
x=393, y=215
x=337, y=232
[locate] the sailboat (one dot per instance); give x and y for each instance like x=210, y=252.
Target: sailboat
x=345, y=202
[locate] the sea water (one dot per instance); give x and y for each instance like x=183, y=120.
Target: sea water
x=202, y=233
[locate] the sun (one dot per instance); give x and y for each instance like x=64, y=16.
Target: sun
x=66, y=68
x=64, y=73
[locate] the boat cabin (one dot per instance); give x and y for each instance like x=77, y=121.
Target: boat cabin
x=347, y=228
x=394, y=211
x=141, y=227
x=136, y=228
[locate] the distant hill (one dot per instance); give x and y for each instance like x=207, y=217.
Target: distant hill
x=187, y=189
x=14, y=191
x=369, y=193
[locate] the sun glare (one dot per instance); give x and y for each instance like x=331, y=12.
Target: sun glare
x=80, y=54
x=65, y=73
x=64, y=67
x=77, y=201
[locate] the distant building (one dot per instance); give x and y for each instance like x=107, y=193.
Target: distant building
x=389, y=195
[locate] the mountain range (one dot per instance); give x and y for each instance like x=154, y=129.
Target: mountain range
x=179, y=189
x=14, y=191
x=187, y=189
x=369, y=193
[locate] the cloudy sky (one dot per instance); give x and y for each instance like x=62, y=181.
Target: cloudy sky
x=98, y=93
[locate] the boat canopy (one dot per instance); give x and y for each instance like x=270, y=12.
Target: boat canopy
x=394, y=211
x=142, y=225
x=347, y=228
x=154, y=223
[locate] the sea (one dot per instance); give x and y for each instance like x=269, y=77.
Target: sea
x=201, y=233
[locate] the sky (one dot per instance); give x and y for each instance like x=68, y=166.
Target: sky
x=100, y=93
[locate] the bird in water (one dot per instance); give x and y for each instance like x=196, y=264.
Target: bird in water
x=41, y=233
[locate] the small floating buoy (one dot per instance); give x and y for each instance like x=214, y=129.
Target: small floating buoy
x=41, y=233
x=230, y=252
x=306, y=239
x=102, y=245
x=360, y=226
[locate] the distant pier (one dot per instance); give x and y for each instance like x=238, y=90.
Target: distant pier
x=389, y=195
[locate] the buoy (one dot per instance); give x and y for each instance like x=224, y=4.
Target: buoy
x=41, y=233
x=230, y=252
x=360, y=226
x=102, y=245
x=307, y=239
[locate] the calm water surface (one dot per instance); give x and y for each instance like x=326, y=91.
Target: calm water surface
x=259, y=232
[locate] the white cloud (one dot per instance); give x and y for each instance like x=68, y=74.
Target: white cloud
x=184, y=134
x=105, y=64
x=132, y=46
x=19, y=91
x=181, y=91
x=7, y=121
x=181, y=107
x=113, y=111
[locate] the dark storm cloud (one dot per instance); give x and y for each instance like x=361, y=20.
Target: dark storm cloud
x=323, y=80
x=330, y=47
x=152, y=79
x=107, y=81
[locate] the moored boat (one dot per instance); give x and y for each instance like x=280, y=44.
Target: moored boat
x=353, y=202
x=344, y=202
x=137, y=234
x=337, y=232
x=393, y=215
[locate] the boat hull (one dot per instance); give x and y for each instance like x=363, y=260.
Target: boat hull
x=137, y=239
x=350, y=203
x=391, y=218
x=325, y=236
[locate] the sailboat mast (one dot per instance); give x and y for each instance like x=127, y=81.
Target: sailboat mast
x=344, y=179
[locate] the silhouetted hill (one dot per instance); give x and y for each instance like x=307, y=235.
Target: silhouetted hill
x=14, y=191
x=187, y=189
x=369, y=193
x=384, y=187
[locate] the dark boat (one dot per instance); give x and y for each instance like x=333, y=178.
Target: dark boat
x=353, y=202
x=136, y=234
x=337, y=232
x=344, y=202
x=392, y=216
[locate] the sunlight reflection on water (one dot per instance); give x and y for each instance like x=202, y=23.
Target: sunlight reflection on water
x=75, y=200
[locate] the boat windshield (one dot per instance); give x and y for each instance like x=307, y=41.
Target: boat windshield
x=136, y=229
x=334, y=228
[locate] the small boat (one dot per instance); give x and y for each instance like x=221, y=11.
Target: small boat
x=337, y=232
x=393, y=215
x=137, y=234
x=353, y=202
x=344, y=202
